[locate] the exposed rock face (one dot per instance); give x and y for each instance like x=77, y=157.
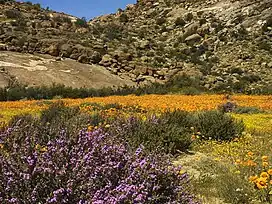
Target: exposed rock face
x=154, y=40
x=44, y=70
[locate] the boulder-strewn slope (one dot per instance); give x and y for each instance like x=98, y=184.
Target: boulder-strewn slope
x=227, y=43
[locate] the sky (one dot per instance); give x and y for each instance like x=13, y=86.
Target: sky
x=85, y=8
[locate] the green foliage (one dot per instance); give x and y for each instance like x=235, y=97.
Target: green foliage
x=172, y=131
x=81, y=22
x=231, y=107
x=220, y=181
x=250, y=78
x=53, y=120
x=247, y=110
x=112, y=31
x=179, y=22
x=155, y=134
x=123, y=18
x=218, y=126
x=62, y=19
x=37, y=6
x=6, y=1
x=160, y=21
x=181, y=84
x=236, y=70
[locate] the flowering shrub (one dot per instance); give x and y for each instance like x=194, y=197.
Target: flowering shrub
x=91, y=167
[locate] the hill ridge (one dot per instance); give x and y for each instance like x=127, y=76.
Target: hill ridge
x=225, y=43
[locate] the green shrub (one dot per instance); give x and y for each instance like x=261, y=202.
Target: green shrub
x=236, y=70
x=231, y=107
x=62, y=19
x=13, y=14
x=16, y=93
x=217, y=125
x=123, y=18
x=182, y=118
x=52, y=121
x=190, y=91
x=156, y=134
x=248, y=110
x=179, y=22
x=160, y=21
x=180, y=84
x=6, y=1
x=3, y=94
x=81, y=22
x=37, y=6
x=251, y=78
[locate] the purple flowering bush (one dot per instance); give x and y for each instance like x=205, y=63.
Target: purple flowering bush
x=89, y=167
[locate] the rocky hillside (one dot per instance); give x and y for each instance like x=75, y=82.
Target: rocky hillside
x=227, y=44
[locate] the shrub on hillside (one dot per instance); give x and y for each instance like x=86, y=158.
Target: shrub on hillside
x=13, y=14
x=62, y=19
x=179, y=21
x=89, y=167
x=6, y=1
x=184, y=81
x=81, y=22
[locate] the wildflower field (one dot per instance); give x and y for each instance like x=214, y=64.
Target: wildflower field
x=137, y=149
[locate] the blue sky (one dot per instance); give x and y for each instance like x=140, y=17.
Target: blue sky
x=85, y=8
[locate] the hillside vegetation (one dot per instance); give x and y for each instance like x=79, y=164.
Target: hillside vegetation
x=225, y=44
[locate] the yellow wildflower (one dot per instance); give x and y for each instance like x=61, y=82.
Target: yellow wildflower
x=193, y=137
x=269, y=171
x=37, y=146
x=181, y=172
x=265, y=158
x=265, y=164
x=237, y=172
x=250, y=154
x=43, y=149
x=250, y=163
x=235, y=139
x=253, y=178
x=261, y=183
x=90, y=128
x=238, y=161
x=264, y=175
